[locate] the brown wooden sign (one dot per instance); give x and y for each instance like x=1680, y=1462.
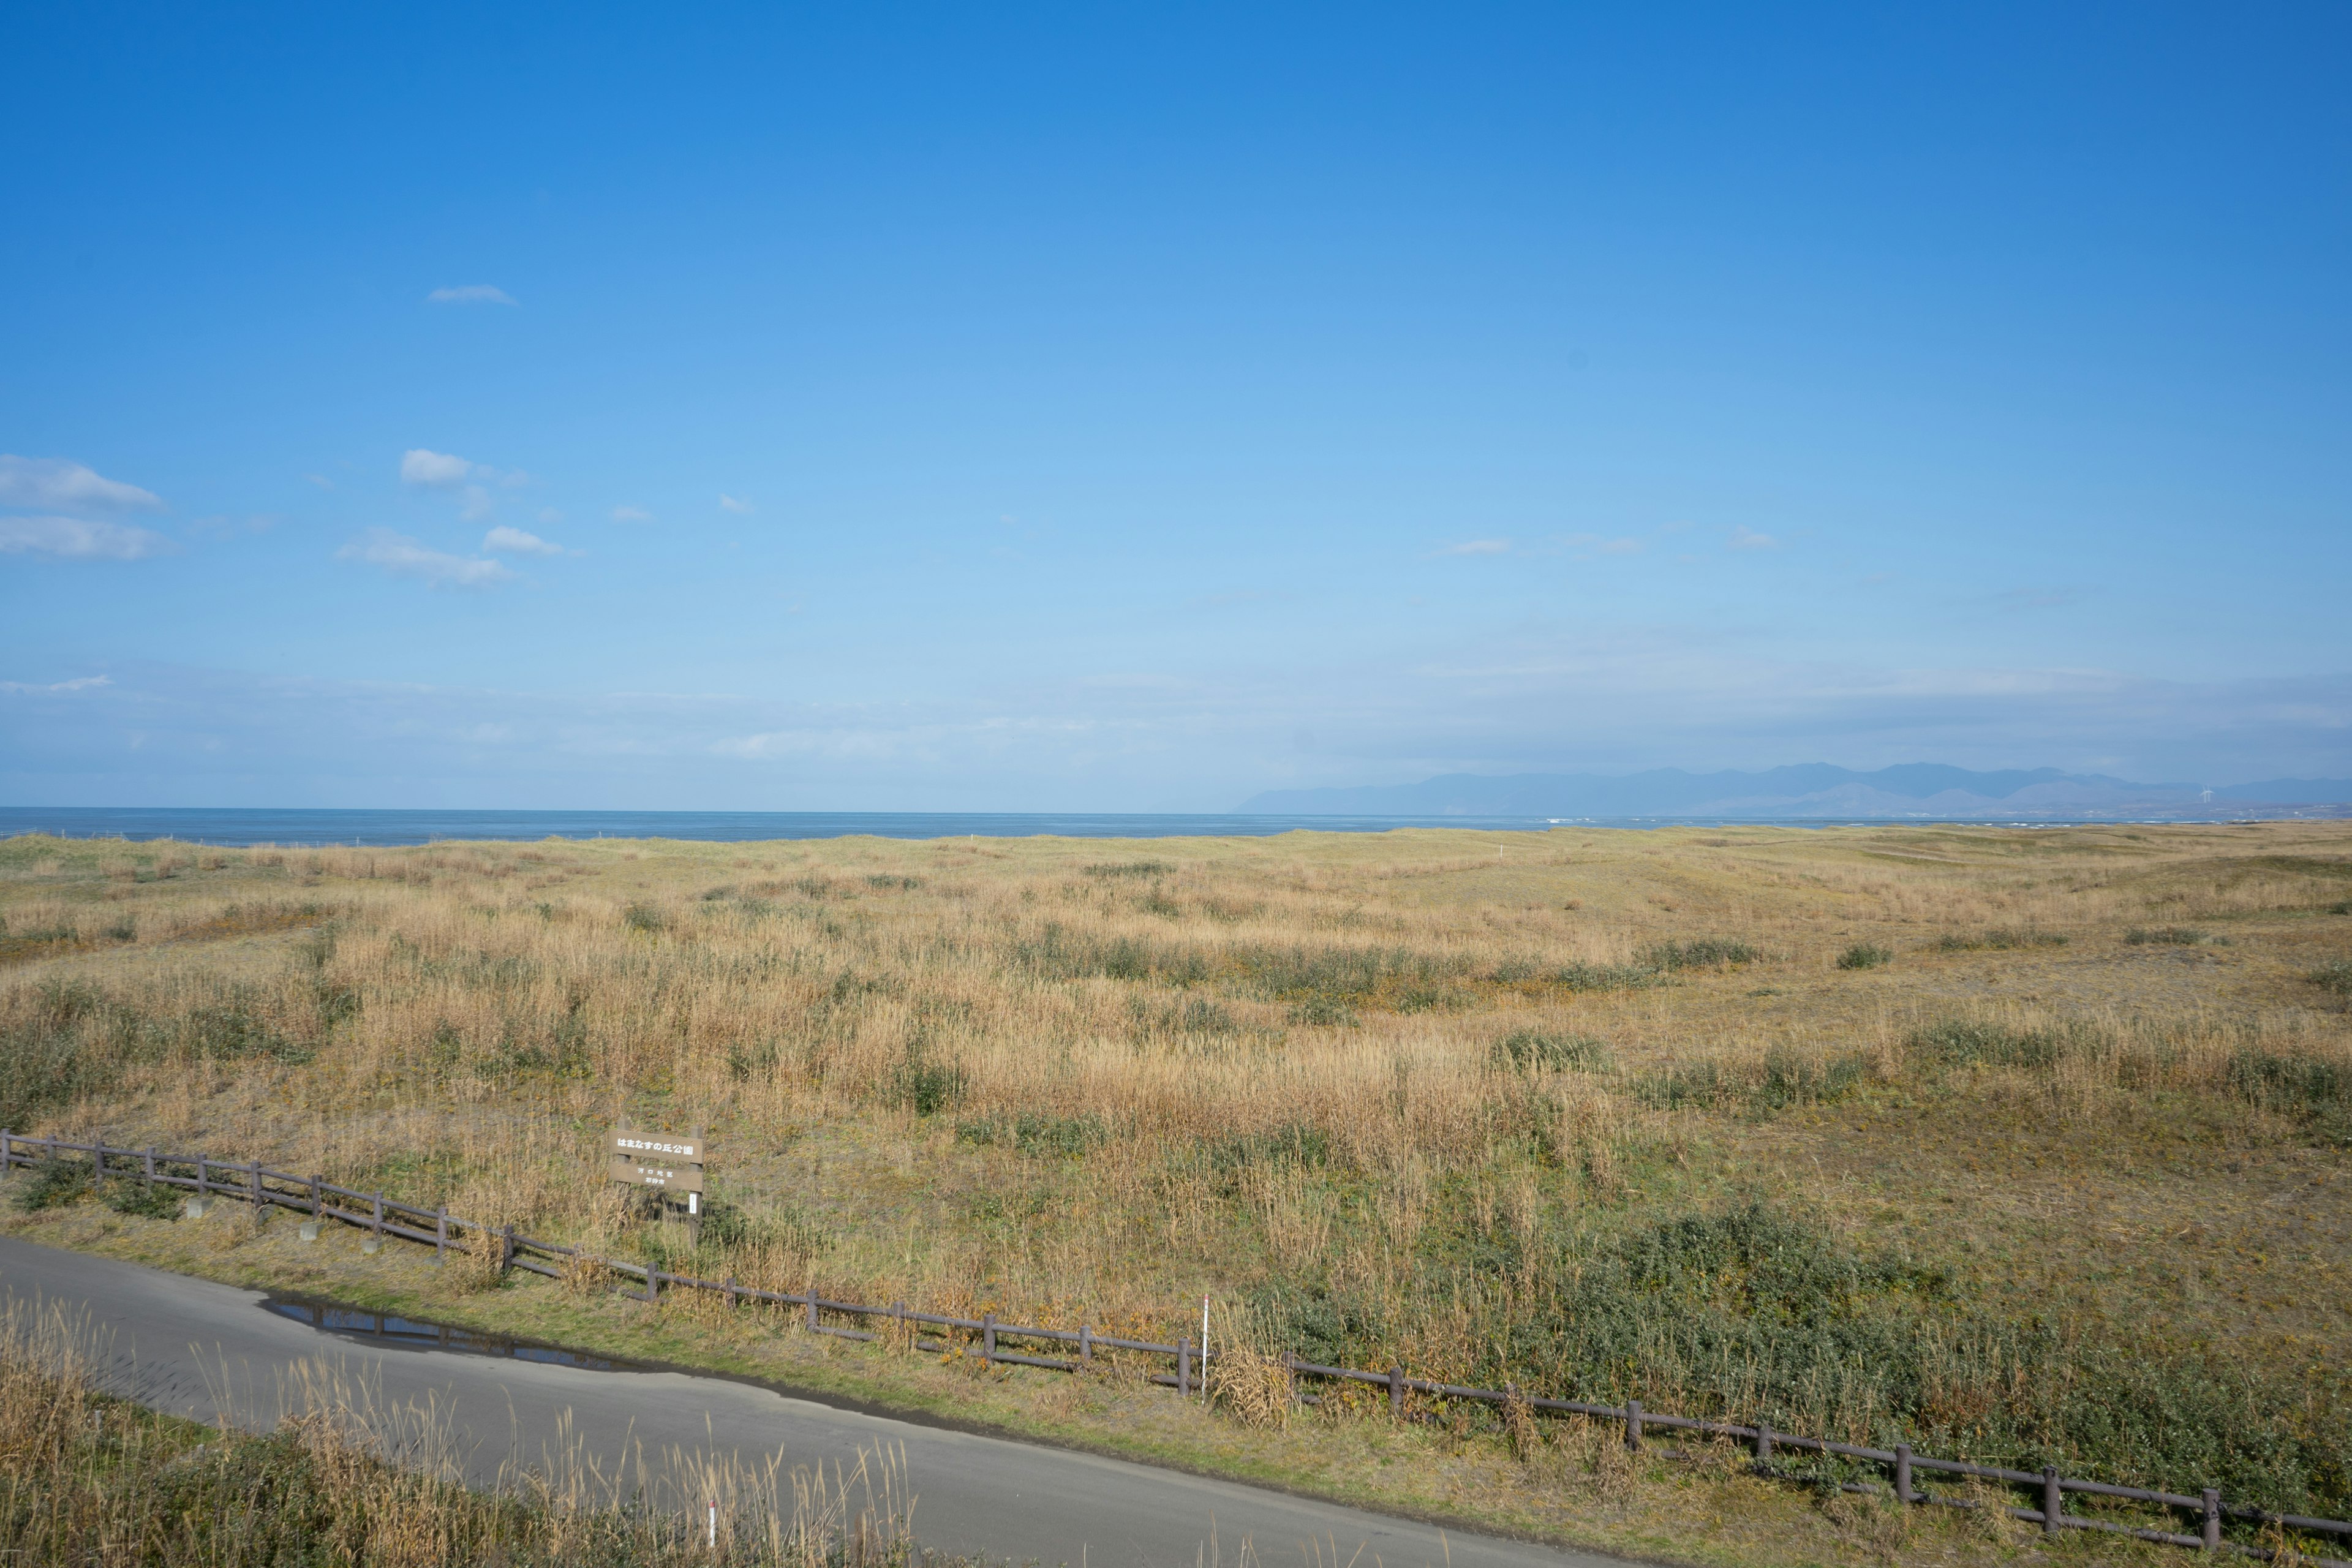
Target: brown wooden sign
x=656, y=1148
x=666, y=1176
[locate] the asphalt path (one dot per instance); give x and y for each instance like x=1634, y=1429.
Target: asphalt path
x=206, y=1351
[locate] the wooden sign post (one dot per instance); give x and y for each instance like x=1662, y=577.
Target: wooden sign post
x=668, y=1163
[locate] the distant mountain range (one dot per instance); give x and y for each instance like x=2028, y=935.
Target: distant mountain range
x=1818, y=790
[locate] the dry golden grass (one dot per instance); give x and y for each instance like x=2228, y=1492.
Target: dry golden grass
x=1404, y=1092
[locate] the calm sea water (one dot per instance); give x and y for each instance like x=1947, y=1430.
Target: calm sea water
x=294, y=827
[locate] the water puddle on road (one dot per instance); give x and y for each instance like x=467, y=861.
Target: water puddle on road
x=409, y=1333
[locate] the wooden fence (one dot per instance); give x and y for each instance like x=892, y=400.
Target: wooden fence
x=380, y=1216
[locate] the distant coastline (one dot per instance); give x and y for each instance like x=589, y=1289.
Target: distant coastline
x=320, y=827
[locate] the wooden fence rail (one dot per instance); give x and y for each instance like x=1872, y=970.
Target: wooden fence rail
x=250, y=1182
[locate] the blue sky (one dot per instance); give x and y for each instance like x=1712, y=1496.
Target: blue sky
x=1054, y=409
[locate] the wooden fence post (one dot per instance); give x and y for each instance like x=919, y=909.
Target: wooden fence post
x=440, y=1233
x=653, y=1283
x=1185, y=1368
x=316, y=1197
x=1634, y=1426
x=2051, y=1501
x=1901, y=1472
x=204, y=1176
x=379, y=1216
x=505, y=1249
x=149, y=1165
x=7, y=1152
x=730, y=1292
x=1763, y=1441
x=96, y=1166
x=811, y=1309
x=1396, y=1391
x=988, y=1337
x=1086, y=1344
x=256, y=1192
x=2212, y=1535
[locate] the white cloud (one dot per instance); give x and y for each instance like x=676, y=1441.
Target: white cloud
x=405, y=557
x=548, y=515
x=631, y=514
x=79, y=539
x=478, y=504
x=434, y=470
x=1479, y=547
x=321, y=480
x=471, y=294
x=515, y=542
x=729, y=503
x=54, y=483
x=82, y=683
x=1744, y=538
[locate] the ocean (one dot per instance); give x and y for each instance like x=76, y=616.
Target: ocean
x=389, y=827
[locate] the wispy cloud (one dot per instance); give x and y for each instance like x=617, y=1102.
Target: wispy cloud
x=478, y=504
x=549, y=516
x=515, y=542
x=321, y=480
x=729, y=503
x=60, y=688
x=434, y=470
x=1745, y=538
x=470, y=294
x=631, y=514
x=1479, y=547
x=405, y=557
x=53, y=484
x=79, y=539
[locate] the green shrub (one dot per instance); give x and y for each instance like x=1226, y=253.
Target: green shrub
x=236, y=1030
x=645, y=917
x=924, y=1086
x=2336, y=976
x=1958, y=1042
x=1701, y=953
x=1603, y=976
x=1202, y=1016
x=2002, y=938
x=52, y=1183
x=1682, y=1088
x=2166, y=936
x=1323, y=1012
x=1130, y=868
x=1865, y=955
x=1750, y=1311
x=140, y=1199
x=1296, y=1144
x=887, y=882
x=1790, y=1080
x=2316, y=1093
x=1535, y=1050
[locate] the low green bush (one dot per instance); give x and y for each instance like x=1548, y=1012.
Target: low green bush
x=53, y=1183
x=1699, y=952
x=1960, y=1042
x=1865, y=955
x=1538, y=1050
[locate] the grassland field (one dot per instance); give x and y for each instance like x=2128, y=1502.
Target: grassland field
x=2020, y=1145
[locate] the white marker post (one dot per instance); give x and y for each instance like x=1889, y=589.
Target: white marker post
x=1204, y=1350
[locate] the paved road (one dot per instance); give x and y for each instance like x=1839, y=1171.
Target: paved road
x=199, y=1349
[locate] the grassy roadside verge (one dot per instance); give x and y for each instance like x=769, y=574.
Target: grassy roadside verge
x=1571, y=1485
